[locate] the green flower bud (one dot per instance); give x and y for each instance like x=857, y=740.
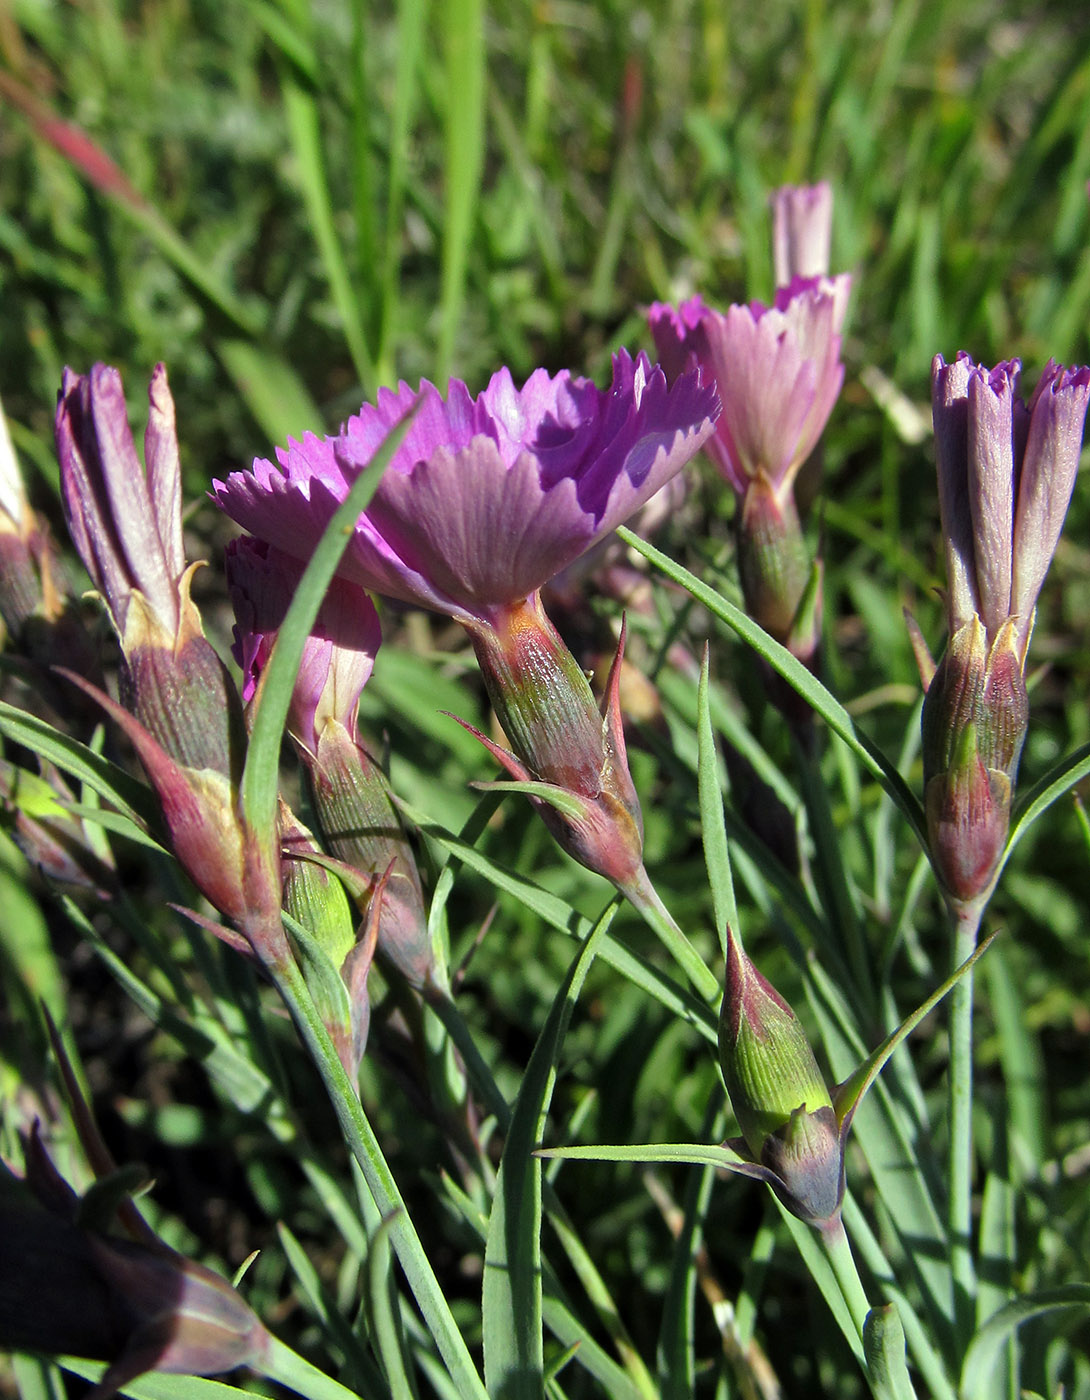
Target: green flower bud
x=778, y=1094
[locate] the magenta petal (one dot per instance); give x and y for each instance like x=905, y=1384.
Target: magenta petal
x=1058, y=413
x=950, y=412
x=485, y=499
x=991, y=488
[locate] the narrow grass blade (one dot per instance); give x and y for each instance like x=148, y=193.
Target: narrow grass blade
x=677, y=1334
x=983, y=1353
x=386, y=1330
x=712, y=826
x=511, y=1300
x=333, y=1324
x=797, y=676
x=464, y=135
x=559, y=915
x=280, y=402
x=412, y=16
x=301, y=107
x=260, y=779
x=111, y=783
x=560, y=1320
x=1044, y=793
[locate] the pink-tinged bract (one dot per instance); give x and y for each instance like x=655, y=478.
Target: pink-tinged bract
x=485, y=498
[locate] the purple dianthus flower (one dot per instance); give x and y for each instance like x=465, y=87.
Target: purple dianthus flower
x=484, y=500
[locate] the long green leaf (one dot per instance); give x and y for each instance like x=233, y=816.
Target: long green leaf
x=1060, y=779
x=511, y=1299
x=560, y=915
x=304, y=124
x=985, y=1347
x=712, y=826
x=110, y=782
x=463, y=150
x=260, y=780
x=797, y=676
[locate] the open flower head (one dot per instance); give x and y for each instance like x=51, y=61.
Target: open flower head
x=486, y=498
x=777, y=369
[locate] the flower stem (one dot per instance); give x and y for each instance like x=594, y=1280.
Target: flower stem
x=642, y=894
x=887, y=1374
x=364, y=1146
x=838, y=1251
x=960, y=1111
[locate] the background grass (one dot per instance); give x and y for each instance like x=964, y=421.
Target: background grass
x=319, y=198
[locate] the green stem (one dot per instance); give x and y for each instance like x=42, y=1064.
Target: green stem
x=481, y=1078
x=644, y=897
x=364, y=1146
x=289, y=1369
x=960, y=1107
x=838, y=1251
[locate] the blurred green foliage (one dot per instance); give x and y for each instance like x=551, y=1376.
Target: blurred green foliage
x=328, y=196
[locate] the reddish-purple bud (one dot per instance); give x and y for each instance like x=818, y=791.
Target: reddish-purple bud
x=136, y=1304
x=572, y=754
x=125, y=519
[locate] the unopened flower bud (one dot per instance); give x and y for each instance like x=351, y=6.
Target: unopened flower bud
x=135, y=1304
x=124, y=518
x=563, y=744
x=1006, y=471
x=778, y=1094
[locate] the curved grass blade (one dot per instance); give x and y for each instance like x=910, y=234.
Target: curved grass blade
x=822, y=701
x=985, y=1347
x=1044, y=793
x=260, y=780
x=559, y=915
x=110, y=782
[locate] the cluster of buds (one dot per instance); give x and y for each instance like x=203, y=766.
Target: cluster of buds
x=1006, y=473
x=778, y=372
x=185, y=717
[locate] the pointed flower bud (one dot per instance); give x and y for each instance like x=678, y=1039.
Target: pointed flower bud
x=571, y=755
x=778, y=1094
x=1006, y=472
x=135, y=1304
x=357, y=818
x=180, y=708
x=125, y=520
x=802, y=229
